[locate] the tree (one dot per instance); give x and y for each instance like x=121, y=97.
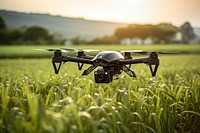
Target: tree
x=187, y=31
x=165, y=31
x=2, y=23
x=162, y=32
x=4, y=39
x=35, y=34
x=15, y=35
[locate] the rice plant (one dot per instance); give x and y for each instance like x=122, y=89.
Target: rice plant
x=34, y=99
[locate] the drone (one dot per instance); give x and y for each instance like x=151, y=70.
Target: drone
x=112, y=63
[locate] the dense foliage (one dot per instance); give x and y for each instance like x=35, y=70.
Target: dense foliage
x=34, y=99
x=30, y=35
x=161, y=32
x=2, y=23
x=36, y=33
x=187, y=31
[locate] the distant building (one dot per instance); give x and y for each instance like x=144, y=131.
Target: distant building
x=178, y=37
x=126, y=41
x=68, y=43
x=149, y=40
x=137, y=40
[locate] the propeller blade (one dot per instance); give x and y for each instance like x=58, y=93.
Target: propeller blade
x=89, y=50
x=146, y=52
x=47, y=50
x=131, y=51
x=168, y=52
x=50, y=50
x=135, y=51
x=79, y=50
x=41, y=50
x=69, y=49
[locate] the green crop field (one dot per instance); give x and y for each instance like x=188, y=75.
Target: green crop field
x=23, y=51
x=34, y=99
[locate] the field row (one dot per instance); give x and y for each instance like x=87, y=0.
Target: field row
x=34, y=99
x=31, y=52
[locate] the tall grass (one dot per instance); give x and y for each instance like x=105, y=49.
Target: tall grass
x=34, y=99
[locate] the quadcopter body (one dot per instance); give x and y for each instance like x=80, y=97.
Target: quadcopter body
x=112, y=63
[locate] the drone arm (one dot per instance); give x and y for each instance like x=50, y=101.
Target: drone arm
x=76, y=59
x=150, y=61
x=133, y=61
x=88, y=57
x=59, y=59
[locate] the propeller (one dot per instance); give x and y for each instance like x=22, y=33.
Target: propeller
x=58, y=50
x=80, y=50
x=146, y=52
x=131, y=51
x=168, y=52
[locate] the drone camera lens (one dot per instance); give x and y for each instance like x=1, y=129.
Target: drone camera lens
x=100, y=77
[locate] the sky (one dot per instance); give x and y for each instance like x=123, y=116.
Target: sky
x=124, y=11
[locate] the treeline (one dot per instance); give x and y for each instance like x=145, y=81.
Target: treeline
x=30, y=35
x=99, y=40
x=160, y=33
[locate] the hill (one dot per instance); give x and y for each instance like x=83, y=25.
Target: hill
x=65, y=26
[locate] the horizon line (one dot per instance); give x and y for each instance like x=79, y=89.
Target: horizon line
x=94, y=20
